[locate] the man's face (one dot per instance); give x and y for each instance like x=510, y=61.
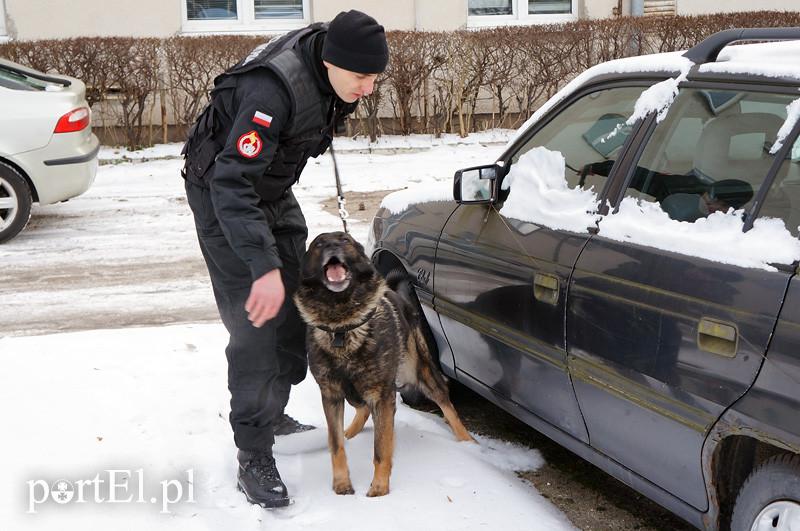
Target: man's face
x=350, y=86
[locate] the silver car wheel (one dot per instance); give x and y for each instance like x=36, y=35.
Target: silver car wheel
x=780, y=516
x=9, y=204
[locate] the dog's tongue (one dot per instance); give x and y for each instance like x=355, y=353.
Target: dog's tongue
x=335, y=273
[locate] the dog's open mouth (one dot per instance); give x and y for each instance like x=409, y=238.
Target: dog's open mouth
x=337, y=275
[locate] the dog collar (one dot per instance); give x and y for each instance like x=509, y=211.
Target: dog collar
x=339, y=333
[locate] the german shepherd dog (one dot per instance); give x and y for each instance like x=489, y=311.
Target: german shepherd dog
x=364, y=341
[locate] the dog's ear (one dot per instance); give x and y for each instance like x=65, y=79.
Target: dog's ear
x=310, y=268
x=357, y=246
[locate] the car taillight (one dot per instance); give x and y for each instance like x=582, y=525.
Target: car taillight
x=74, y=120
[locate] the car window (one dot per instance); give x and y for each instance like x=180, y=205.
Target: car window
x=15, y=80
x=711, y=153
x=589, y=134
x=783, y=199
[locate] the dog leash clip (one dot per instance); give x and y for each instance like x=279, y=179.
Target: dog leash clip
x=338, y=339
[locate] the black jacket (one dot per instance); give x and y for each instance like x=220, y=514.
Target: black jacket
x=253, y=140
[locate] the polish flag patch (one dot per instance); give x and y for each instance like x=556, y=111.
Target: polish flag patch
x=262, y=119
x=249, y=145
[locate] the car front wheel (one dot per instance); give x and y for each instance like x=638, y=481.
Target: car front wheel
x=770, y=498
x=15, y=202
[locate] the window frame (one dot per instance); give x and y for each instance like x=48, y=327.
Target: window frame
x=245, y=22
x=520, y=16
x=3, y=31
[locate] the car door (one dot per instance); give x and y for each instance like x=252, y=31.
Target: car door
x=501, y=273
x=671, y=305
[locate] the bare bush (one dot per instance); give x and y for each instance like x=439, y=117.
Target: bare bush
x=413, y=58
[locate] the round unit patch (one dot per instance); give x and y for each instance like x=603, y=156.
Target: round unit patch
x=249, y=145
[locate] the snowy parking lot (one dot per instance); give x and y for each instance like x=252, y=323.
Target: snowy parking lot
x=116, y=394
x=125, y=253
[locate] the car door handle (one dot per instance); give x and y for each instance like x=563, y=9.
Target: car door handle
x=545, y=288
x=717, y=337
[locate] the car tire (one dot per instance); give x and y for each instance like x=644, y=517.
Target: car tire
x=15, y=202
x=770, y=497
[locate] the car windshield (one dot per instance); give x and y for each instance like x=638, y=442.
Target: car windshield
x=18, y=80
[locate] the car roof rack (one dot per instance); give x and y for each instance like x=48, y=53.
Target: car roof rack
x=708, y=49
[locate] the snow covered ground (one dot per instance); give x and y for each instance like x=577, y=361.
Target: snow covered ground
x=152, y=403
x=145, y=408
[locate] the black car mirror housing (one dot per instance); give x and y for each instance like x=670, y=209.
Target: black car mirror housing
x=477, y=185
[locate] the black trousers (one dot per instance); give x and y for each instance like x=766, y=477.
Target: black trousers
x=263, y=363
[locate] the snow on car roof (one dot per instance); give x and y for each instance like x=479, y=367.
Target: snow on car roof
x=770, y=59
x=773, y=59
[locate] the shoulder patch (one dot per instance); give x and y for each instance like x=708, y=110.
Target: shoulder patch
x=262, y=119
x=249, y=145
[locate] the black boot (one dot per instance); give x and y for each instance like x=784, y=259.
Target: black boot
x=260, y=481
x=286, y=425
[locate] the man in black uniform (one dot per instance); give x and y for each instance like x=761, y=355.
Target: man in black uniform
x=268, y=114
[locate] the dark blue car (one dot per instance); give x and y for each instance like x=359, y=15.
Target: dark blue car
x=623, y=278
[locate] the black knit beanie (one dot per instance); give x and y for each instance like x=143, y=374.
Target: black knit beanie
x=356, y=42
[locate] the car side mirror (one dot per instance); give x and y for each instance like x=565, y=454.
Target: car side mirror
x=476, y=185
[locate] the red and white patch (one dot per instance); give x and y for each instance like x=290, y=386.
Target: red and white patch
x=262, y=119
x=249, y=145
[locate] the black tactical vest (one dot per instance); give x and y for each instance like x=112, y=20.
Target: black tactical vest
x=308, y=133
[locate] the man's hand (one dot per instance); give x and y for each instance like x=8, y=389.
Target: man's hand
x=266, y=298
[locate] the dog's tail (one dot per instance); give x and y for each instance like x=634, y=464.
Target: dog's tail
x=398, y=280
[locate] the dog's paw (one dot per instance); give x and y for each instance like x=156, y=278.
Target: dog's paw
x=377, y=490
x=349, y=433
x=466, y=438
x=343, y=487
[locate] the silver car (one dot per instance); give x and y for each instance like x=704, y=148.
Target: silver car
x=47, y=150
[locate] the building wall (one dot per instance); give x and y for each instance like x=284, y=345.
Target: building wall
x=705, y=7
x=393, y=14
x=55, y=19
x=441, y=15
x=599, y=8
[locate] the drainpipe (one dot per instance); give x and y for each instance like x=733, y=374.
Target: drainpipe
x=634, y=44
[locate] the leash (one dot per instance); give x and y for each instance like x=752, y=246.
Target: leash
x=343, y=214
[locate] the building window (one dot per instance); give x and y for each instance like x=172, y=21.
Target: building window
x=243, y=15
x=510, y=12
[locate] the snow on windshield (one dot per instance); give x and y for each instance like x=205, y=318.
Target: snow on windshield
x=540, y=193
x=718, y=237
